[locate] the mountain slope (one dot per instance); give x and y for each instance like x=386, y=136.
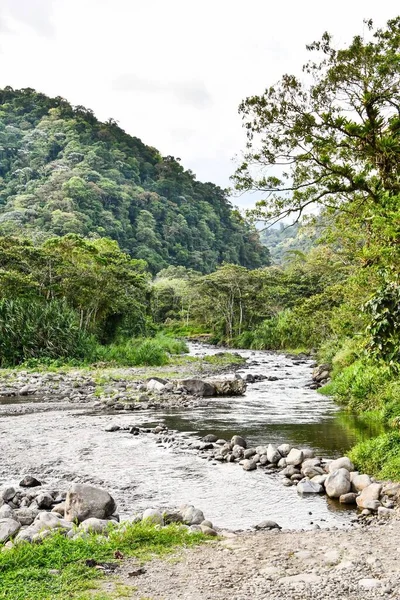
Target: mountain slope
x=63, y=171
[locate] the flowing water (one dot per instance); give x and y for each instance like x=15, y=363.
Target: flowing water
x=62, y=445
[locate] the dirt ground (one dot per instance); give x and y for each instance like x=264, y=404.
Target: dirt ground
x=356, y=564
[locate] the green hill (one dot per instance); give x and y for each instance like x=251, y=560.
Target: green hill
x=63, y=171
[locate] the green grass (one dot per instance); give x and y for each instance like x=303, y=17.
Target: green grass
x=379, y=456
x=26, y=569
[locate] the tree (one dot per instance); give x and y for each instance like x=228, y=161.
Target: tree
x=332, y=139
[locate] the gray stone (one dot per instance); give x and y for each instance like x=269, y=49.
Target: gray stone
x=249, y=453
x=193, y=516
x=369, y=496
x=154, y=386
x=349, y=498
x=268, y=524
x=284, y=449
x=44, y=500
x=111, y=428
x=341, y=463
x=6, y=512
x=94, y=525
x=210, y=438
x=7, y=494
x=289, y=471
x=237, y=451
x=360, y=482
x=197, y=387
x=8, y=528
x=385, y=512
x=29, y=481
x=295, y=457
x=46, y=520
x=273, y=455
x=249, y=465
x=208, y=530
x=338, y=483
x=25, y=516
x=306, y=486
x=237, y=440
x=85, y=501
x=261, y=450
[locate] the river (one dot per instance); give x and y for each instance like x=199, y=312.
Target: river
x=69, y=444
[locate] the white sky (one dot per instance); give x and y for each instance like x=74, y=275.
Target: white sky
x=171, y=72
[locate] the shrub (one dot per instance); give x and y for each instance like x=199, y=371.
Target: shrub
x=379, y=456
x=38, y=329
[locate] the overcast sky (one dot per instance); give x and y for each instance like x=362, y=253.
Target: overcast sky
x=171, y=72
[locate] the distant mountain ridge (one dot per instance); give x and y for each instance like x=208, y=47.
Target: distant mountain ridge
x=63, y=171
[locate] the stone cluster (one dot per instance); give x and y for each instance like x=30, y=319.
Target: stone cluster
x=32, y=513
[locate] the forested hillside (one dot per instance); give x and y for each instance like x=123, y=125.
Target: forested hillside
x=285, y=240
x=63, y=171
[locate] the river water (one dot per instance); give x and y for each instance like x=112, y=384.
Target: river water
x=62, y=445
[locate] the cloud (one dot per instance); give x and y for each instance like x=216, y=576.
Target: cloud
x=192, y=93
x=34, y=13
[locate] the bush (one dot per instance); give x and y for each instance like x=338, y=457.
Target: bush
x=150, y=352
x=379, y=456
x=41, y=330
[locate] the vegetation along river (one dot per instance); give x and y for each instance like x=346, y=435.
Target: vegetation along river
x=63, y=444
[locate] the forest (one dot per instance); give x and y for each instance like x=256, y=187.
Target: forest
x=123, y=249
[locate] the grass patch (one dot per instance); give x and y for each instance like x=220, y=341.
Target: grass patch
x=27, y=570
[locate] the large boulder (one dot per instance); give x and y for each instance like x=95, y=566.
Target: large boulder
x=85, y=501
x=341, y=463
x=369, y=497
x=228, y=385
x=154, y=516
x=8, y=528
x=237, y=440
x=197, y=387
x=338, y=483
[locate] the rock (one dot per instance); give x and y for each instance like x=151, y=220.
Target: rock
x=7, y=494
x=152, y=515
x=208, y=530
x=238, y=451
x=320, y=479
x=311, y=472
x=369, y=497
x=359, y=482
x=289, y=471
x=273, y=455
x=210, y=438
x=392, y=490
x=249, y=453
x=25, y=516
x=284, y=449
x=295, y=457
x=172, y=516
x=341, y=463
x=349, y=498
x=93, y=525
x=111, y=428
x=249, y=465
x=307, y=453
x=228, y=385
x=262, y=450
x=385, y=512
x=29, y=481
x=309, y=487
x=6, y=512
x=207, y=524
x=46, y=520
x=197, y=387
x=59, y=509
x=267, y=524
x=154, y=386
x=85, y=501
x=237, y=440
x=8, y=528
x=338, y=483
x=282, y=463
x=193, y=516
x=44, y=500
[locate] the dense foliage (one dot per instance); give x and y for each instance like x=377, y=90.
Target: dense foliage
x=63, y=171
